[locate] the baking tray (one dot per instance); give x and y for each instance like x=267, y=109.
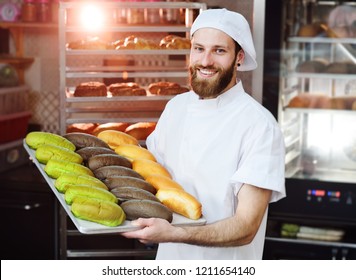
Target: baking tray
x=87, y=227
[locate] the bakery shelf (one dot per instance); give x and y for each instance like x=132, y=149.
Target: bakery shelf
x=326, y=76
x=126, y=74
x=118, y=99
x=322, y=40
x=137, y=28
x=109, y=120
x=320, y=111
x=127, y=52
x=77, y=65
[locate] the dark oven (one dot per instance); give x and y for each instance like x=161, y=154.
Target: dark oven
x=317, y=220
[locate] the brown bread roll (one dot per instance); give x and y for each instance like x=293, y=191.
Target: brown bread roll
x=127, y=181
x=127, y=193
x=113, y=170
x=136, y=208
x=101, y=160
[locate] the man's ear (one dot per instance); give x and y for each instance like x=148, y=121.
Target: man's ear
x=240, y=58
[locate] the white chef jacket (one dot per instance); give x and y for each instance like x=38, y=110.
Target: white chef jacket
x=211, y=147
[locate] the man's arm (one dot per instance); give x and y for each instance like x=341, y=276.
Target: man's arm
x=234, y=231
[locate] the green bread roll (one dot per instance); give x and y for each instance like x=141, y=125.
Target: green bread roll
x=68, y=179
x=47, y=151
x=55, y=168
x=35, y=139
x=88, y=191
x=99, y=211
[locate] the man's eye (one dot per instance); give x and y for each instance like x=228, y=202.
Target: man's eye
x=199, y=49
x=220, y=51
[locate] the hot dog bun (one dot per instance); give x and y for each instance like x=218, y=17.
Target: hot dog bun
x=180, y=202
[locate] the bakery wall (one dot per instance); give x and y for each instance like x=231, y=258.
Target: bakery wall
x=43, y=75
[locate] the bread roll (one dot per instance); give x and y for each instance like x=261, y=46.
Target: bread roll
x=68, y=179
x=127, y=193
x=99, y=211
x=160, y=181
x=81, y=127
x=116, y=138
x=141, y=130
x=82, y=140
x=127, y=181
x=180, y=202
x=88, y=191
x=144, y=208
x=55, y=168
x=147, y=167
x=101, y=160
x=133, y=152
x=47, y=151
x=115, y=170
x=119, y=126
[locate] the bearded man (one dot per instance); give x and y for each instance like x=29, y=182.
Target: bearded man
x=221, y=145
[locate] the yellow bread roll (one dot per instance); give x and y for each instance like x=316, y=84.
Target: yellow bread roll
x=68, y=179
x=99, y=211
x=55, y=168
x=147, y=167
x=88, y=191
x=160, y=181
x=180, y=202
x=35, y=139
x=133, y=152
x=47, y=151
x=116, y=138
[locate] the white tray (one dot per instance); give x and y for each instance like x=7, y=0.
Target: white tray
x=87, y=227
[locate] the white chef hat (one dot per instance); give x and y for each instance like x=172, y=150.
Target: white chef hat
x=234, y=25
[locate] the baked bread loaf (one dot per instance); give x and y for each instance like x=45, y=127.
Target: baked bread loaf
x=353, y=106
x=119, y=126
x=343, y=102
x=180, y=202
x=341, y=68
x=166, y=88
x=90, y=43
x=175, y=42
x=310, y=30
x=126, y=89
x=81, y=127
x=141, y=130
x=87, y=89
x=306, y=100
x=136, y=43
x=311, y=66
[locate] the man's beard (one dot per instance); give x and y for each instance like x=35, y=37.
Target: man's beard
x=211, y=88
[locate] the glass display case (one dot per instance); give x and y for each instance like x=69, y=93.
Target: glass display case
x=309, y=84
x=317, y=90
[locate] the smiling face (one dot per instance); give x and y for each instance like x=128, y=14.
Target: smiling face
x=213, y=62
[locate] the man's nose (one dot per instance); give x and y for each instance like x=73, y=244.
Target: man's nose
x=207, y=59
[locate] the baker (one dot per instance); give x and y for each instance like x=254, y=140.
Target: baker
x=224, y=147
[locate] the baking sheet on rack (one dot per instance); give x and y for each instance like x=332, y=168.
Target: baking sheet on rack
x=87, y=227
